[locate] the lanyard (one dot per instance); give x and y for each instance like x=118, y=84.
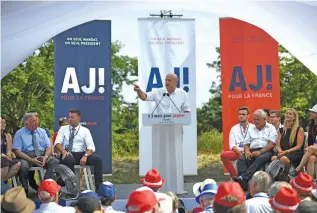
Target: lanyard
x=70, y=131
x=259, y=195
x=246, y=131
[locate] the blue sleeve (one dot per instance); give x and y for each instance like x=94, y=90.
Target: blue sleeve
x=47, y=132
x=17, y=141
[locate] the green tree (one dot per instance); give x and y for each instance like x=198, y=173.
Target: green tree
x=298, y=85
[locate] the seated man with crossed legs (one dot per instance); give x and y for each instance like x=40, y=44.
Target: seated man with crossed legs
x=258, y=148
x=76, y=146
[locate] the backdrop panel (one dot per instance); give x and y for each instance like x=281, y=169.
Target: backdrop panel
x=167, y=46
x=249, y=71
x=83, y=81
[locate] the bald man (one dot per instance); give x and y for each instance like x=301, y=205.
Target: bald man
x=170, y=99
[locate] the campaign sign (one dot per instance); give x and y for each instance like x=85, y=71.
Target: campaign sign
x=83, y=81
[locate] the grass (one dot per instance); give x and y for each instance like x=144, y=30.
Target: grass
x=126, y=169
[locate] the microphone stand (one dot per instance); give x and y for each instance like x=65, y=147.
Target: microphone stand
x=159, y=102
x=168, y=95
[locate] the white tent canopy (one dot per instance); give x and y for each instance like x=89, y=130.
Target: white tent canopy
x=27, y=25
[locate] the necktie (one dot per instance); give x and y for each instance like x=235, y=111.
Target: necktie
x=35, y=145
x=71, y=139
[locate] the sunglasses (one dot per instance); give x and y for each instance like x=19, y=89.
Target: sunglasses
x=62, y=118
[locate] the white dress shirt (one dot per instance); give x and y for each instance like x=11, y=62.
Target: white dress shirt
x=258, y=204
x=82, y=140
x=179, y=97
x=238, y=135
x=260, y=138
x=53, y=207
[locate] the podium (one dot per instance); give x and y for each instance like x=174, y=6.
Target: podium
x=167, y=147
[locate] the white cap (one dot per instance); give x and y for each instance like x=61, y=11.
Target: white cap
x=314, y=109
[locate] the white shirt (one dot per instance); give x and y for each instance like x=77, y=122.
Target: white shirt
x=53, y=207
x=82, y=140
x=179, y=97
x=260, y=138
x=109, y=209
x=258, y=204
x=238, y=136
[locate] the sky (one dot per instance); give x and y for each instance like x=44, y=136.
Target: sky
x=125, y=29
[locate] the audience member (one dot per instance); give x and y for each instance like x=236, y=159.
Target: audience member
x=175, y=201
x=258, y=148
x=208, y=189
x=307, y=207
x=275, y=119
x=267, y=115
x=88, y=204
x=259, y=187
x=76, y=146
x=9, y=166
x=32, y=147
x=107, y=194
x=286, y=200
x=309, y=157
x=63, y=121
x=153, y=180
x=15, y=200
x=278, y=171
x=48, y=194
x=142, y=201
x=303, y=185
x=290, y=140
x=276, y=186
x=230, y=198
x=237, y=137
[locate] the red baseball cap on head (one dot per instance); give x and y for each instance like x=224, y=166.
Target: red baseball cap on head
x=286, y=200
x=229, y=188
x=141, y=201
x=153, y=179
x=302, y=182
x=49, y=186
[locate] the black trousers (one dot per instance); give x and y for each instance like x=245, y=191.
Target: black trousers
x=51, y=162
x=93, y=160
x=247, y=167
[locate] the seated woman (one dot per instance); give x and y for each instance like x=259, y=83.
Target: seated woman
x=290, y=141
x=309, y=157
x=9, y=165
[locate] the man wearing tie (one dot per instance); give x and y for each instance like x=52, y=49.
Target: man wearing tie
x=168, y=100
x=33, y=148
x=76, y=146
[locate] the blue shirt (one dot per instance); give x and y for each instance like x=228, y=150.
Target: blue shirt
x=23, y=140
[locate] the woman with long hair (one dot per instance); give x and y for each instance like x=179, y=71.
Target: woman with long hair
x=309, y=157
x=290, y=141
x=9, y=165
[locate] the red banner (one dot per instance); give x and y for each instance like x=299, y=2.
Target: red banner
x=249, y=71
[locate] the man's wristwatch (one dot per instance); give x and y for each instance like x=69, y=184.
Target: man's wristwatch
x=261, y=151
x=86, y=155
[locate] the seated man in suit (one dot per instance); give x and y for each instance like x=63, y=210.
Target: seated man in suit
x=33, y=148
x=258, y=148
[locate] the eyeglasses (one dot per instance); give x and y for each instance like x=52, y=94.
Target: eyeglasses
x=62, y=118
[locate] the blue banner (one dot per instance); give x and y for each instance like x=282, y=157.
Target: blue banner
x=83, y=81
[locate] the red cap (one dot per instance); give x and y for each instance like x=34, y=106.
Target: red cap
x=302, y=182
x=49, y=186
x=229, y=188
x=286, y=200
x=198, y=210
x=141, y=201
x=153, y=179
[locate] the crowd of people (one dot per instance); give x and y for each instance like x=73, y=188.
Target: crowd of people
x=267, y=162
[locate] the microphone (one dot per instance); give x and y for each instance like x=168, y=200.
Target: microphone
x=168, y=95
x=159, y=101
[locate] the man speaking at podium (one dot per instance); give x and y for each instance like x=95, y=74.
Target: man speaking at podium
x=169, y=99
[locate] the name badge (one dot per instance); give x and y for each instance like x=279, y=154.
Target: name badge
x=241, y=144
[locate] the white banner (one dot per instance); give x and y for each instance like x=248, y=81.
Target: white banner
x=167, y=46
